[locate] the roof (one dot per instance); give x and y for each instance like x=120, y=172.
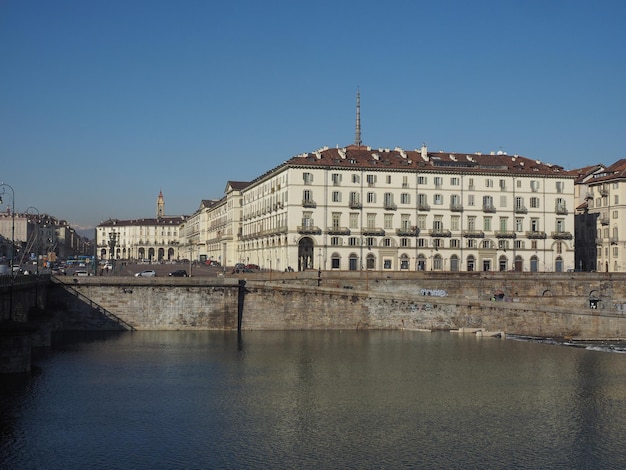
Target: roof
x=160, y=221
x=367, y=158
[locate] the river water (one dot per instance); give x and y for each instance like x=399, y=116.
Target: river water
x=378, y=399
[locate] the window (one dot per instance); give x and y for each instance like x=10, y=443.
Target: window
x=471, y=223
x=389, y=201
x=405, y=198
x=534, y=186
x=354, y=220
x=438, y=181
x=371, y=180
x=371, y=221
x=307, y=195
x=534, y=202
x=371, y=197
x=335, y=261
x=502, y=201
x=489, y=183
x=504, y=222
x=519, y=203
x=438, y=199
x=387, y=242
x=405, y=181
x=454, y=181
x=388, y=220
x=471, y=243
x=336, y=220
x=559, y=186
x=502, y=184
x=422, y=242
x=388, y=178
x=335, y=241
x=487, y=224
x=519, y=224
x=354, y=198
x=307, y=219
x=404, y=242
x=518, y=183
x=336, y=178
x=534, y=225
x=422, y=200
x=369, y=241
x=353, y=241
x=336, y=196
x=454, y=243
x=356, y=178
x=421, y=222
x=560, y=225
x=438, y=223
x=470, y=185
x=308, y=178
x=422, y=180
x=455, y=222
x=470, y=199
x=487, y=202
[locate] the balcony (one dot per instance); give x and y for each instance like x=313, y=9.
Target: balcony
x=613, y=240
x=560, y=209
x=505, y=234
x=309, y=203
x=473, y=234
x=309, y=230
x=408, y=232
x=604, y=220
x=603, y=191
x=561, y=235
x=390, y=206
x=338, y=231
x=521, y=210
x=490, y=208
x=599, y=241
x=456, y=208
x=439, y=233
x=588, y=195
x=373, y=232
x=423, y=206
x=535, y=235
x=355, y=205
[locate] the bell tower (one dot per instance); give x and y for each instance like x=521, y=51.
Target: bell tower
x=160, y=206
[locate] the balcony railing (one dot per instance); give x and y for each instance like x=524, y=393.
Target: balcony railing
x=456, y=208
x=408, y=232
x=423, y=206
x=473, y=234
x=603, y=191
x=373, y=232
x=355, y=205
x=338, y=231
x=390, y=206
x=536, y=235
x=439, y=233
x=521, y=210
x=561, y=235
x=309, y=230
x=613, y=240
x=560, y=209
x=489, y=208
x=505, y=234
x=309, y=203
x=604, y=220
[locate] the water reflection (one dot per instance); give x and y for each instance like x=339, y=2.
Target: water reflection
x=315, y=399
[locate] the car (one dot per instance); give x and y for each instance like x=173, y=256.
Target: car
x=81, y=272
x=146, y=273
x=252, y=266
x=240, y=266
x=213, y=263
x=178, y=273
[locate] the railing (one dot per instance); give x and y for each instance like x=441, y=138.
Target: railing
x=561, y=235
x=93, y=304
x=338, y=231
x=473, y=234
x=309, y=203
x=309, y=230
x=373, y=232
x=439, y=233
x=536, y=235
x=390, y=206
x=456, y=207
x=407, y=232
x=489, y=208
x=505, y=234
x=521, y=210
x=423, y=207
x=560, y=209
x=355, y=205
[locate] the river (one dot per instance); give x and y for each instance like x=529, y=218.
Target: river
x=336, y=399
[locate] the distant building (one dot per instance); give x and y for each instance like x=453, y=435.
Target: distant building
x=601, y=204
x=155, y=239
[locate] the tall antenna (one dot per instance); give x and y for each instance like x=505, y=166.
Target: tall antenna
x=357, y=135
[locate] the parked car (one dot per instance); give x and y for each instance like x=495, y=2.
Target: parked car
x=146, y=273
x=178, y=273
x=81, y=272
x=252, y=266
x=213, y=263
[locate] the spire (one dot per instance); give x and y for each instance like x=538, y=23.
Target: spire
x=357, y=135
x=160, y=205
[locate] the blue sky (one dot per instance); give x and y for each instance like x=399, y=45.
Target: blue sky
x=105, y=103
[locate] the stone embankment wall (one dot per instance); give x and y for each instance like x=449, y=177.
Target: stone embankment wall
x=556, y=304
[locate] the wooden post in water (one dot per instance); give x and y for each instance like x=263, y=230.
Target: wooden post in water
x=240, y=299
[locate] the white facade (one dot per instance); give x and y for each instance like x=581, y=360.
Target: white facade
x=356, y=208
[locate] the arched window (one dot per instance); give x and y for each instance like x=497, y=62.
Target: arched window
x=335, y=261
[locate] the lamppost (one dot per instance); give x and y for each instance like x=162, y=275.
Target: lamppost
x=2, y=185
x=36, y=241
x=112, y=243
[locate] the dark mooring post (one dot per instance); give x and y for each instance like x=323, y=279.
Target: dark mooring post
x=240, y=298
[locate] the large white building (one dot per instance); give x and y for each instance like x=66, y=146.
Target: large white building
x=358, y=208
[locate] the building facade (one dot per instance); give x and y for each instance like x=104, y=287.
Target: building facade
x=600, y=244
x=356, y=208
x=151, y=239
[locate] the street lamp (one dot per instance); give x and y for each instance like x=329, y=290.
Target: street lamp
x=3, y=185
x=36, y=242
x=112, y=243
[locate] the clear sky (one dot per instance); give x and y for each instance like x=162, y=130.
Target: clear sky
x=105, y=103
